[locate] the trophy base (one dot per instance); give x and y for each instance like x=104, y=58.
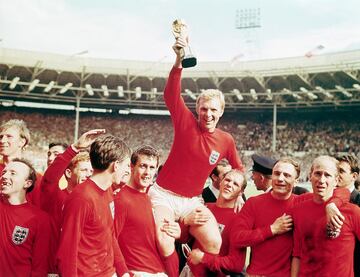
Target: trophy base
x=188, y=61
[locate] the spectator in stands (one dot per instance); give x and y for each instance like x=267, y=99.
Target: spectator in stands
x=25, y=229
x=348, y=174
x=316, y=251
x=198, y=146
x=211, y=193
x=14, y=137
x=87, y=244
x=230, y=259
x=134, y=216
x=261, y=171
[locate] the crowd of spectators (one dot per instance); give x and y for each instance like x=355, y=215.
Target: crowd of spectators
x=303, y=139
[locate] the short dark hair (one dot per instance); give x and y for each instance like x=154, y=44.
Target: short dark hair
x=32, y=172
x=351, y=160
x=62, y=144
x=146, y=150
x=223, y=163
x=107, y=149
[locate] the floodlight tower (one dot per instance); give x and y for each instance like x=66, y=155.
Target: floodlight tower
x=248, y=21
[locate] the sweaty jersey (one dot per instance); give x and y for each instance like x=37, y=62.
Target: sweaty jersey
x=194, y=152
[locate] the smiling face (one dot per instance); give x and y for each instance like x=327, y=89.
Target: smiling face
x=15, y=179
x=143, y=172
x=209, y=112
x=284, y=177
x=11, y=143
x=121, y=171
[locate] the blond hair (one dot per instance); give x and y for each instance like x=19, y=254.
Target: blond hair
x=209, y=94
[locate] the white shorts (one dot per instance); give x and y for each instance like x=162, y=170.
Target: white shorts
x=146, y=274
x=180, y=205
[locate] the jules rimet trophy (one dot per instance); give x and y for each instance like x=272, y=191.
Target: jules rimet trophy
x=180, y=29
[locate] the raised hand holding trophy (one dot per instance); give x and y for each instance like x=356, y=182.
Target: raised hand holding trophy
x=180, y=30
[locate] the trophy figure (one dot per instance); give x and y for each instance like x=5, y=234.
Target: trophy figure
x=180, y=30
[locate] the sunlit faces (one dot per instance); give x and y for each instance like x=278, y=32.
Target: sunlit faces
x=346, y=177
x=53, y=153
x=10, y=142
x=231, y=185
x=284, y=177
x=323, y=177
x=122, y=171
x=143, y=172
x=79, y=173
x=14, y=178
x=209, y=112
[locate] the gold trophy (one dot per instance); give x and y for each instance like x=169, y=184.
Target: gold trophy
x=180, y=30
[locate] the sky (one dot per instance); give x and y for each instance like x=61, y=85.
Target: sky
x=141, y=29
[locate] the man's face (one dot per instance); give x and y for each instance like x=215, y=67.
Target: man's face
x=53, y=153
x=143, y=172
x=231, y=185
x=14, y=178
x=122, y=171
x=284, y=177
x=80, y=172
x=259, y=181
x=10, y=142
x=222, y=170
x=209, y=112
x=346, y=177
x=323, y=178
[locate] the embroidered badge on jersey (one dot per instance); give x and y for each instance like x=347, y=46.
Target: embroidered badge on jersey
x=221, y=227
x=214, y=156
x=19, y=234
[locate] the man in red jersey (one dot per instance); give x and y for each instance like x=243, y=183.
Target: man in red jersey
x=134, y=222
x=264, y=225
x=230, y=259
x=87, y=243
x=25, y=229
x=198, y=146
x=318, y=252
x=14, y=137
x=75, y=165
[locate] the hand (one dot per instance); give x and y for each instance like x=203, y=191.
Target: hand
x=239, y=203
x=172, y=229
x=282, y=225
x=198, y=217
x=179, y=44
x=195, y=256
x=334, y=218
x=88, y=138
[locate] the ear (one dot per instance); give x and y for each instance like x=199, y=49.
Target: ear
x=67, y=173
x=23, y=143
x=355, y=175
x=27, y=184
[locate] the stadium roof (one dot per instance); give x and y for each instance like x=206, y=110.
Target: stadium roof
x=331, y=80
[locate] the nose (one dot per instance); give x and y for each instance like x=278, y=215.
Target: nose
x=322, y=178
